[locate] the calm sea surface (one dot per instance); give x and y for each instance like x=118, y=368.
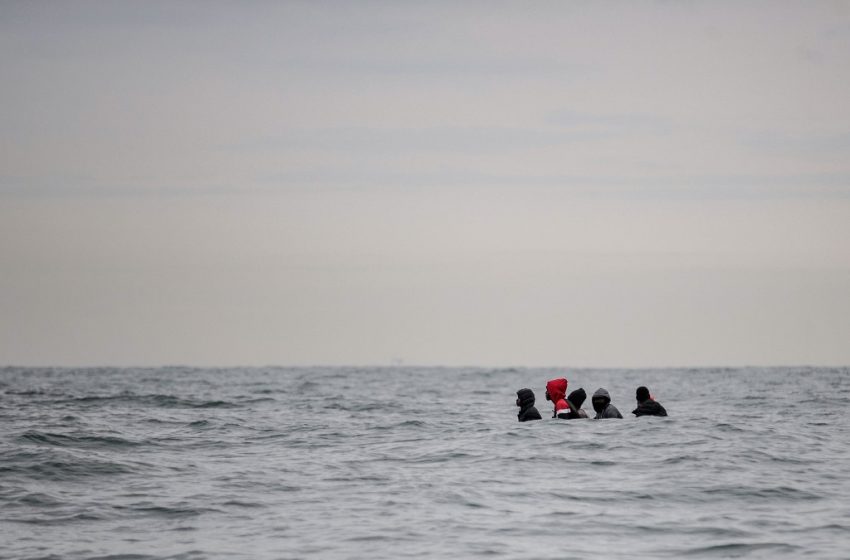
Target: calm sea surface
x=420, y=462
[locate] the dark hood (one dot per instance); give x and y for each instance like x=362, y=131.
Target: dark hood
x=526, y=398
x=600, y=400
x=577, y=397
x=526, y=406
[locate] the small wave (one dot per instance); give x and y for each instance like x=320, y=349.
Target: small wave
x=307, y=387
x=368, y=538
x=155, y=400
x=188, y=555
x=739, y=549
x=237, y=503
x=722, y=427
x=57, y=520
x=502, y=371
x=441, y=457
x=367, y=407
x=267, y=488
x=677, y=459
x=38, y=392
x=170, y=512
x=124, y=557
x=213, y=404
x=36, y=499
x=62, y=465
x=786, y=493
x=828, y=527
x=65, y=469
x=249, y=400
x=781, y=493
x=63, y=440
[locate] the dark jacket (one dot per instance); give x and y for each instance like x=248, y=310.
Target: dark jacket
x=527, y=411
x=603, y=407
x=609, y=411
x=649, y=408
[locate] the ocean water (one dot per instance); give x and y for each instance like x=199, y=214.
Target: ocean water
x=336, y=463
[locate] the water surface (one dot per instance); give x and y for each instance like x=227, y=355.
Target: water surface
x=337, y=463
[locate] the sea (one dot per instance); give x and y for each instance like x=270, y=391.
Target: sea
x=420, y=462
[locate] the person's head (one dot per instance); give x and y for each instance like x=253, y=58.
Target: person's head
x=556, y=389
x=525, y=398
x=577, y=397
x=642, y=394
x=601, y=399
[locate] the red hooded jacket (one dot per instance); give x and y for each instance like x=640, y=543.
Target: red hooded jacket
x=557, y=391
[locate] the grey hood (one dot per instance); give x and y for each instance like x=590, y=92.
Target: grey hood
x=602, y=405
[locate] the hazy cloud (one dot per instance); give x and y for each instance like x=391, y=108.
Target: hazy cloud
x=329, y=182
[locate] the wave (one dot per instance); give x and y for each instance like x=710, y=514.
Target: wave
x=740, y=549
x=133, y=557
x=65, y=440
x=154, y=400
x=62, y=463
x=169, y=512
x=780, y=493
x=46, y=520
x=59, y=470
x=367, y=407
x=34, y=499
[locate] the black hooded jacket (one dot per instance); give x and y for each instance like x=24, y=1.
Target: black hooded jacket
x=527, y=411
x=575, y=400
x=649, y=408
x=602, y=405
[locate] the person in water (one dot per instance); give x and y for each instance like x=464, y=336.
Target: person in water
x=575, y=400
x=646, y=404
x=602, y=405
x=525, y=402
x=556, y=391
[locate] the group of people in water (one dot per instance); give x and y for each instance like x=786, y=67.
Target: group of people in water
x=569, y=407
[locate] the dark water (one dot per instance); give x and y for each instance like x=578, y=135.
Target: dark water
x=416, y=462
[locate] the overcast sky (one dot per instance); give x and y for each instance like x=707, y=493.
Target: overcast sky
x=600, y=184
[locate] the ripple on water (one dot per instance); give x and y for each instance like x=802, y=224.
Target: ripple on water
x=739, y=549
x=81, y=441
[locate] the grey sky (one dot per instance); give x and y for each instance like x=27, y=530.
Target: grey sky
x=535, y=183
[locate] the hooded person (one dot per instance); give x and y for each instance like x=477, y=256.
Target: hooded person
x=525, y=402
x=602, y=405
x=575, y=400
x=556, y=391
x=646, y=404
